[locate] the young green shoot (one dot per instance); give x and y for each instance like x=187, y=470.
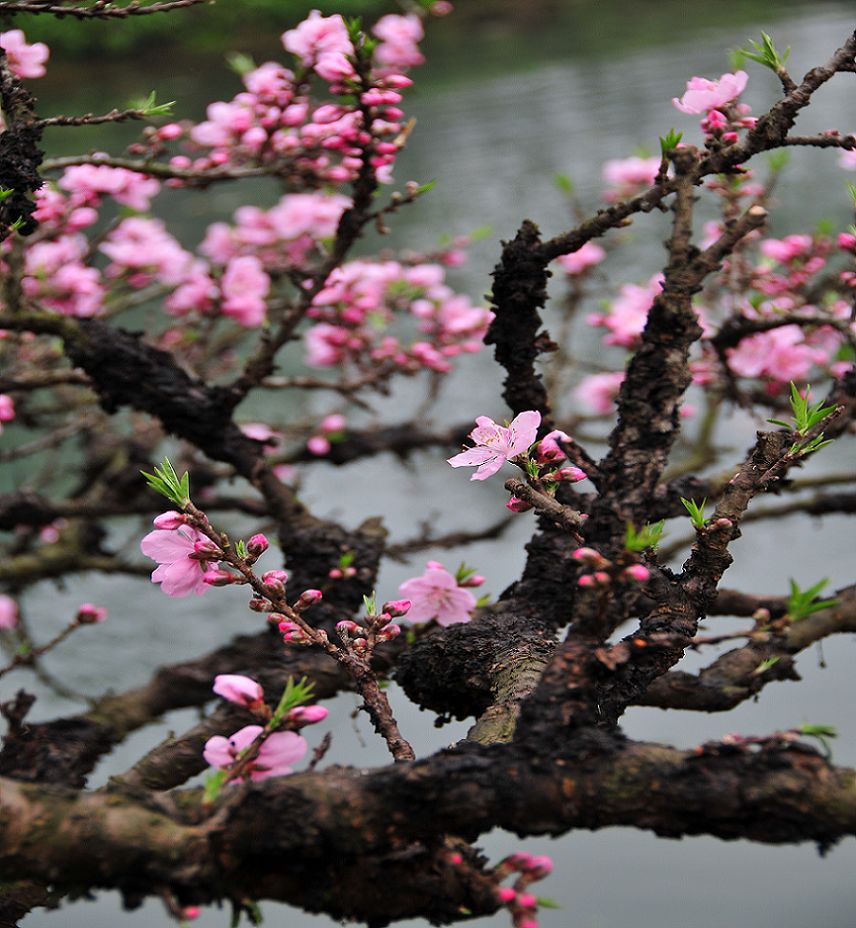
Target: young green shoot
x=166, y=482
x=765, y=665
x=805, y=417
x=646, y=537
x=802, y=603
x=766, y=54
x=821, y=733
x=669, y=142
x=696, y=512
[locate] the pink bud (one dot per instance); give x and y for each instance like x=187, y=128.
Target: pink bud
x=549, y=449
x=170, y=520
x=238, y=689
x=528, y=923
x=318, y=445
x=587, y=580
x=637, y=572
x=190, y=912
x=542, y=863
x=87, y=614
x=387, y=634
x=602, y=577
x=519, y=860
x=274, y=576
x=8, y=612
x=396, y=607
x=515, y=504
x=590, y=556
x=527, y=900
x=309, y=598
x=346, y=625
x=332, y=423
x=220, y=577
x=472, y=580
x=570, y=474
x=258, y=544
x=335, y=573
x=307, y=715
x=506, y=894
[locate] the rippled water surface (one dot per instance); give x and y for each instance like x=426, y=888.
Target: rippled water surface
x=505, y=103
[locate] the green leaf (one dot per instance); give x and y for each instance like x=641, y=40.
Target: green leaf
x=424, y=188
x=240, y=63
x=851, y=189
x=778, y=160
x=766, y=54
x=5, y=193
x=241, y=548
x=765, y=665
x=669, y=142
x=463, y=572
x=294, y=694
x=696, y=512
x=150, y=107
x=821, y=733
x=545, y=902
x=647, y=537
x=564, y=184
x=213, y=785
x=346, y=559
x=802, y=603
x=370, y=602
x=166, y=482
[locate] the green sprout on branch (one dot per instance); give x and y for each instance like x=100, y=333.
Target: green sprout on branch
x=821, y=733
x=166, y=482
x=696, y=512
x=851, y=189
x=806, y=417
x=646, y=537
x=801, y=603
x=150, y=107
x=294, y=694
x=765, y=665
x=669, y=142
x=5, y=193
x=766, y=54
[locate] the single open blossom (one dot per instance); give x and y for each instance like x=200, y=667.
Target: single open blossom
x=495, y=444
x=436, y=595
x=178, y=573
x=8, y=612
x=24, y=60
x=239, y=689
x=703, y=95
x=277, y=753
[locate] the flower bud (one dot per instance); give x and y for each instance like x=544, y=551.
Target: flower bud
x=637, y=572
x=506, y=894
x=309, y=598
x=586, y=580
x=257, y=604
x=257, y=545
x=591, y=557
x=396, y=607
x=569, y=474
x=602, y=577
x=515, y=504
x=387, y=634
x=220, y=578
x=472, y=580
x=87, y=614
x=170, y=520
x=244, y=691
x=307, y=715
x=549, y=449
x=528, y=901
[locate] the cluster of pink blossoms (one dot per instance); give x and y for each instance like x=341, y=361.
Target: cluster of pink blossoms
x=8, y=612
x=7, y=410
x=362, y=299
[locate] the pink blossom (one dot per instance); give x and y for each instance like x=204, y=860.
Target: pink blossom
x=170, y=520
x=598, y=391
x=781, y=354
x=637, y=572
x=516, y=504
x=847, y=159
x=245, y=286
x=7, y=409
x=786, y=249
x=333, y=423
x=628, y=314
x=398, y=35
x=8, y=612
x=583, y=258
x=276, y=754
x=239, y=689
x=127, y=187
x=318, y=445
x=703, y=95
x=317, y=35
x=495, y=444
x=24, y=60
x=178, y=573
x=625, y=175
x=436, y=595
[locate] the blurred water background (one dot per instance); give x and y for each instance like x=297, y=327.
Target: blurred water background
x=513, y=94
